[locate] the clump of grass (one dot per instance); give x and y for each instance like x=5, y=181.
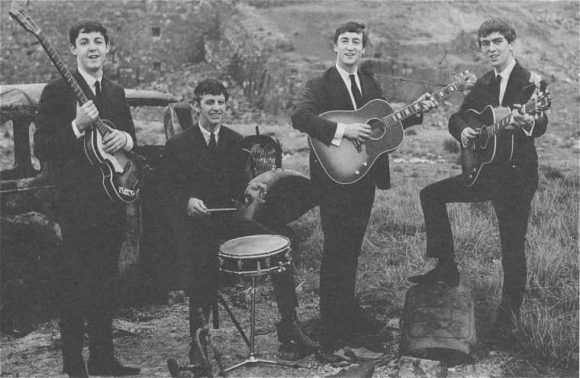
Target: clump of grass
x=394, y=249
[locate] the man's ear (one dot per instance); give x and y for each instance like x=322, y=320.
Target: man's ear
x=195, y=106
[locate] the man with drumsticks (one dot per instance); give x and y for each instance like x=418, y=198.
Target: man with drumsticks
x=204, y=172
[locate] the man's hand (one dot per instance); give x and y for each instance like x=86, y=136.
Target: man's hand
x=256, y=191
x=114, y=141
x=467, y=135
x=196, y=208
x=87, y=114
x=427, y=102
x=522, y=121
x=357, y=131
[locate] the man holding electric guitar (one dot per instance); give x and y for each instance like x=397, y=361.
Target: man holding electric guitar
x=345, y=197
x=500, y=164
x=90, y=217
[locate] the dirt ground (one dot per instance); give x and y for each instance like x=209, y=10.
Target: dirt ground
x=148, y=336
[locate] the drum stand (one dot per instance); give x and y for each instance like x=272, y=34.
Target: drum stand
x=252, y=357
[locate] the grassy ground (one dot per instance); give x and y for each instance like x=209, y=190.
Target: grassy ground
x=394, y=247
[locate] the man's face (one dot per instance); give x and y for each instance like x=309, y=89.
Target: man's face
x=91, y=51
x=497, y=50
x=211, y=110
x=349, y=50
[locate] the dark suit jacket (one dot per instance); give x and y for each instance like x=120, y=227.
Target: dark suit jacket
x=518, y=91
x=80, y=183
x=328, y=92
x=191, y=171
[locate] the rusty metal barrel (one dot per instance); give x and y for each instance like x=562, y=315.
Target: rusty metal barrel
x=438, y=323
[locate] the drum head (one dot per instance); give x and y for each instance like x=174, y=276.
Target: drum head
x=248, y=247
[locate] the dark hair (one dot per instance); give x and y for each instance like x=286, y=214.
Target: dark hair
x=87, y=26
x=351, y=27
x=497, y=24
x=211, y=87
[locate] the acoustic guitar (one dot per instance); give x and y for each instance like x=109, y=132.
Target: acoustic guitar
x=489, y=146
x=121, y=171
x=351, y=161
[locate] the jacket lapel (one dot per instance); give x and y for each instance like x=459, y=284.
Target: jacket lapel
x=519, y=79
x=337, y=87
x=84, y=86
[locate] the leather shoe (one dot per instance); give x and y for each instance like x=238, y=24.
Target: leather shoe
x=289, y=331
x=326, y=356
x=445, y=273
x=76, y=370
x=111, y=368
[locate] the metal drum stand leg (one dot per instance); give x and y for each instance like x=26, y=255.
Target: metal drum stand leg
x=252, y=358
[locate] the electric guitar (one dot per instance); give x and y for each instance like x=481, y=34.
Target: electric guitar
x=487, y=147
x=351, y=160
x=122, y=171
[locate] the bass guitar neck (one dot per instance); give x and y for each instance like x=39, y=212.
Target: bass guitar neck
x=121, y=171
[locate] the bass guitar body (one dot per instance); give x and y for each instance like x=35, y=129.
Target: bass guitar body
x=121, y=170
x=487, y=147
x=350, y=162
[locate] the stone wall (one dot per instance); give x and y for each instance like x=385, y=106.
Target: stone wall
x=149, y=38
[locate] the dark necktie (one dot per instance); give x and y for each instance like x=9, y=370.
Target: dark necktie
x=496, y=85
x=98, y=95
x=355, y=91
x=212, y=143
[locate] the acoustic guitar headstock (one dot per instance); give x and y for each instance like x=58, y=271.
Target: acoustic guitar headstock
x=464, y=80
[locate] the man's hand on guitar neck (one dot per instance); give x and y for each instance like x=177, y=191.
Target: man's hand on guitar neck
x=427, y=102
x=524, y=121
x=87, y=114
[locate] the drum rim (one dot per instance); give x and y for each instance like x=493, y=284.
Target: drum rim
x=285, y=248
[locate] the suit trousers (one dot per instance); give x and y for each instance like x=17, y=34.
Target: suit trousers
x=202, y=273
x=88, y=272
x=345, y=211
x=510, y=189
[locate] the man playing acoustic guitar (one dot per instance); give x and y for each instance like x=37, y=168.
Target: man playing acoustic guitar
x=510, y=184
x=345, y=208
x=90, y=221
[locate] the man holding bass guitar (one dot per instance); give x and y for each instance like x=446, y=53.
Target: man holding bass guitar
x=91, y=222
x=345, y=208
x=509, y=182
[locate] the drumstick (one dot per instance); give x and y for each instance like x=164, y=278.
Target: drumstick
x=222, y=209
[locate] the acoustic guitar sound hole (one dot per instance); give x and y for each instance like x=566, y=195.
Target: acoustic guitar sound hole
x=378, y=128
x=483, y=138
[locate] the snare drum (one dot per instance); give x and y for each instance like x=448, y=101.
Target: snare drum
x=255, y=255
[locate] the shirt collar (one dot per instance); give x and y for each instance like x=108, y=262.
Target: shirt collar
x=505, y=74
x=345, y=75
x=91, y=79
x=207, y=135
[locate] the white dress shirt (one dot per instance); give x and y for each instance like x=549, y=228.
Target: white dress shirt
x=340, y=127
x=207, y=134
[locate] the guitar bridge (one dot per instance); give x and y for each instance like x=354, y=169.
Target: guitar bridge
x=357, y=145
